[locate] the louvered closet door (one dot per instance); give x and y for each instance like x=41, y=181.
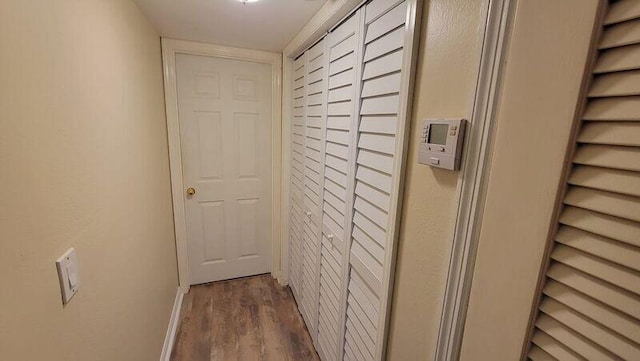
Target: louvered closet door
x=342, y=62
x=297, y=175
x=376, y=177
x=590, y=307
x=313, y=182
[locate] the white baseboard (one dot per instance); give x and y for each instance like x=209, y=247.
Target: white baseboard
x=170, y=338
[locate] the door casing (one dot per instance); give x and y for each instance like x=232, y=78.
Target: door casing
x=171, y=47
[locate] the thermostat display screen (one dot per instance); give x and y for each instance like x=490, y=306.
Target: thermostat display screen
x=438, y=134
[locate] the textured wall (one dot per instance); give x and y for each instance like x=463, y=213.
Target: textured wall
x=84, y=164
x=449, y=57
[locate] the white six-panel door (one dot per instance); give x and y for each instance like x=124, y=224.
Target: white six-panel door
x=225, y=138
x=351, y=89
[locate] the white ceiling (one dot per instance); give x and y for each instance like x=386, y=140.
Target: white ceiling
x=263, y=25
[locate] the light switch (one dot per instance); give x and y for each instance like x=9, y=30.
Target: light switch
x=68, y=274
x=73, y=275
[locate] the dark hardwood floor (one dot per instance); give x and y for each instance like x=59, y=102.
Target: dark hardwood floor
x=249, y=319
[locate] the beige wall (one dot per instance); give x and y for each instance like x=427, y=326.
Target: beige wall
x=449, y=56
x=84, y=164
x=546, y=62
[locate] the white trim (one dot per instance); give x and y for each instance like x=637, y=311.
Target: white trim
x=170, y=48
x=472, y=187
x=174, y=322
x=287, y=83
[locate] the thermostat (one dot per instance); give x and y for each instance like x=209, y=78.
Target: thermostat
x=441, y=142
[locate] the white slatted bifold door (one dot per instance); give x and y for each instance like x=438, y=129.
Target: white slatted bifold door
x=377, y=177
x=354, y=100
x=590, y=305
x=342, y=61
x=297, y=177
x=313, y=181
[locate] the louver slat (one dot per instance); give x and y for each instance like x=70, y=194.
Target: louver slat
x=387, y=22
x=602, y=224
x=615, y=157
x=612, y=180
x=605, y=248
x=616, y=84
x=384, y=45
x=613, y=109
x=622, y=34
x=554, y=348
x=382, y=66
x=619, y=59
x=378, y=8
x=572, y=340
x=537, y=354
x=622, y=10
x=340, y=94
x=611, y=133
x=606, y=293
x=602, y=343
x=600, y=313
x=342, y=32
x=594, y=266
x=614, y=204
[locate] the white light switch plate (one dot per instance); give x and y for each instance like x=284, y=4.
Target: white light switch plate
x=69, y=275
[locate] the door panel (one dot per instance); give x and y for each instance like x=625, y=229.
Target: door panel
x=225, y=133
x=316, y=101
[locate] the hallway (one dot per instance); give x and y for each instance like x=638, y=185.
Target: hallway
x=250, y=318
x=332, y=180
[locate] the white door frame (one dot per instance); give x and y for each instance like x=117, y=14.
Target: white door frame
x=472, y=186
x=171, y=47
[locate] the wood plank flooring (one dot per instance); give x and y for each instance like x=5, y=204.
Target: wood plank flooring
x=247, y=319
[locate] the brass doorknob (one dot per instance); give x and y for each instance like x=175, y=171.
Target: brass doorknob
x=191, y=191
